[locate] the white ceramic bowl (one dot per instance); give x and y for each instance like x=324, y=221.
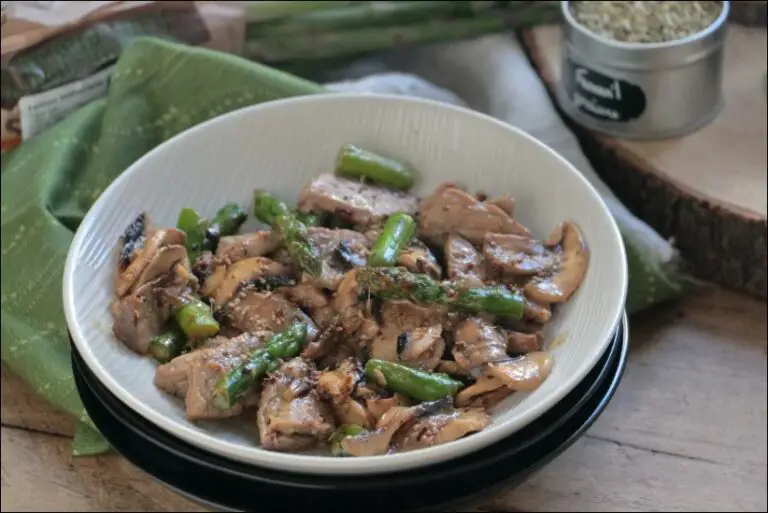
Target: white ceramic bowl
x=280, y=146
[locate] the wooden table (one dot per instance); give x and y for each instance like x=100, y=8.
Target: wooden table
x=686, y=431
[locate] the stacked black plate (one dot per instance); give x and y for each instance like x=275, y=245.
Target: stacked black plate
x=223, y=484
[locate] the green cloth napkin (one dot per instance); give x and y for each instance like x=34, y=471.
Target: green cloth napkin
x=48, y=184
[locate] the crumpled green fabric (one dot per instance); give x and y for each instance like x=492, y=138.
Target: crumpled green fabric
x=48, y=184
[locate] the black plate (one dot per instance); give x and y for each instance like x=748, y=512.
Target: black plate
x=236, y=486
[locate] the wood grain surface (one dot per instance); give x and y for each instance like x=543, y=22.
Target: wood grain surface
x=686, y=431
x=706, y=189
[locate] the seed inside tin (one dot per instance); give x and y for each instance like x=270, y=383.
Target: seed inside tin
x=645, y=21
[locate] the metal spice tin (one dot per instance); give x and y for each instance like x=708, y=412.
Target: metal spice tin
x=642, y=90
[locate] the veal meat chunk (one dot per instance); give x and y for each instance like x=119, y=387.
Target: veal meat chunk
x=142, y=314
x=453, y=210
x=291, y=416
x=192, y=376
x=251, y=310
x=352, y=201
x=464, y=262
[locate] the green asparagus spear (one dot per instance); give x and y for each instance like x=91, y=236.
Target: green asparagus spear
x=204, y=234
x=398, y=230
x=336, y=440
x=274, y=212
x=167, y=345
x=310, y=218
x=363, y=14
x=195, y=227
x=227, y=221
x=232, y=385
x=308, y=46
x=355, y=162
x=416, y=383
x=397, y=283
x=196, y=319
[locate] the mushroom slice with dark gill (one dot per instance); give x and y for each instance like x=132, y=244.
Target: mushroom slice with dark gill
x=411, y=334
x=560, y=285
x=291, y=416
x=440, y=428
x=337, y=386
x=453, y=210
x=192, y=376
x=486, y=393
x=378, y=441
x=340, y=250
x=254, y=269
x=139, y=245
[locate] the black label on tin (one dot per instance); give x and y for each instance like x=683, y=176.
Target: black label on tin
x=601, y=96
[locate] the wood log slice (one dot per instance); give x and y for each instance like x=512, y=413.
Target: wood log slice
x=706, y=190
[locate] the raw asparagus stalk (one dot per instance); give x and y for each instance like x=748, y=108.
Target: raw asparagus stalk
x=347, y=43
x=336, y=440
x=196, y=319
x=363, y=14
x=232, y=385
x=264, y=11
x=416, y=383
x=274, y=212
x=397, y=231
x=397, y=283
x=355, y=162
x=167, y=345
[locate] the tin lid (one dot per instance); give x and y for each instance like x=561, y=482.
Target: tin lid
x=645, y=55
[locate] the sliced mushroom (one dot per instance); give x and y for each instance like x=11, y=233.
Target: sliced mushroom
x=378, y=406
x=486, y=393
x=338, y=384
x=348, y=304
x=233, y=248
x=516, y=255
x=417, y=258
x=477, y=342
x=560, y=285
x=244, y=271
x=525, y=373
x=506, y=203
x=523, y=343
x=138, y=247
x=440, y=428
x=164, y=260
x=377, y=442
x=423, y=346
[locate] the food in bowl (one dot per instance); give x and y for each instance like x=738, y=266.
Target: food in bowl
x=365, y=318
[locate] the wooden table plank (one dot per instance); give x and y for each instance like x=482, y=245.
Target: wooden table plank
x=686, y=430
